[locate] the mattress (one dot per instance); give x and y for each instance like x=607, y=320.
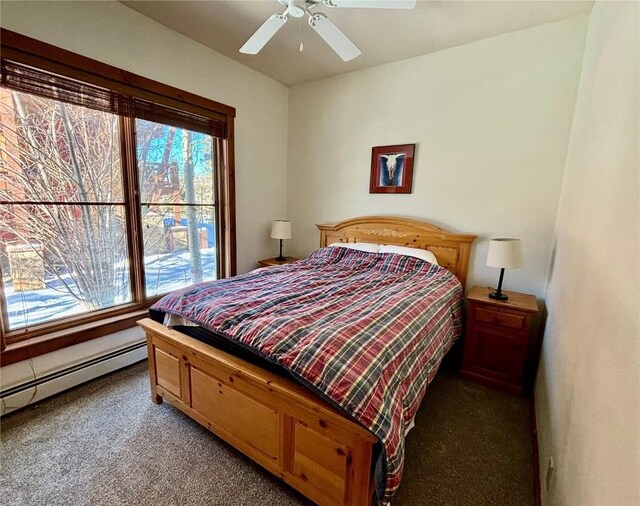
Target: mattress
x=222, y=343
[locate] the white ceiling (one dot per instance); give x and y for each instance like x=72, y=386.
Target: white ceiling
x=382, y=35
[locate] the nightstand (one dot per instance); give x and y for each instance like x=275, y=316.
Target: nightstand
x=499, y=345
x=270, y=262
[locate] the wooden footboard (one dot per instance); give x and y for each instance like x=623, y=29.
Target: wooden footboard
x=274, y=421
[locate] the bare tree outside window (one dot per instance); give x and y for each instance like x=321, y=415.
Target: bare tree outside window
x=62, y=226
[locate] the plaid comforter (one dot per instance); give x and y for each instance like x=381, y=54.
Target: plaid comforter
x=367, y=330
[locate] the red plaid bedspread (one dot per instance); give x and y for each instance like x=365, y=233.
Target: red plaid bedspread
x=367, y=330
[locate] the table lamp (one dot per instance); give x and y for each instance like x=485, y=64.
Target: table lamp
x=281, y=229
x=505, y=254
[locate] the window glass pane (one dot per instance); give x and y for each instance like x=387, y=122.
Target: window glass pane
x=56, y=152
x=179, y=246
x=175, y=165
x=62, y=260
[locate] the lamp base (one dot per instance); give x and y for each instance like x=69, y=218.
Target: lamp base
x=281, y=257
x=498, y=296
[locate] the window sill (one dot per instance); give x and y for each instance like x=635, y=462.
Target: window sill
x=40, y=345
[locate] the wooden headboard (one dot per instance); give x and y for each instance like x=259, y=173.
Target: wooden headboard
x=451, y=250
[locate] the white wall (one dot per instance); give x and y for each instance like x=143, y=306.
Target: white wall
x=112, y=33
x=588, y=389
x=491, y=121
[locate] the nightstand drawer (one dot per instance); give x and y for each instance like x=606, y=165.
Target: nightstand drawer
x=513, y=321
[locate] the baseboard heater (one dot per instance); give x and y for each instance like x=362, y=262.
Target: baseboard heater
x=69, y=377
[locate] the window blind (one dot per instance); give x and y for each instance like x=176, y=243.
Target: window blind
x=23, y=78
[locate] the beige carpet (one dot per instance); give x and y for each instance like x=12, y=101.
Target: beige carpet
x=105, y=443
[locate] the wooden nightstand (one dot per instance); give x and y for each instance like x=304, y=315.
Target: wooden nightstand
x=269, y=262
x=499, y=347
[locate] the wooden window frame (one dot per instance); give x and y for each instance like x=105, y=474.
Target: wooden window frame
x=22, y=344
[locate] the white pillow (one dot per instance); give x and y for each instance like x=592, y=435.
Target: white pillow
x=360, y=246
x=423, y=254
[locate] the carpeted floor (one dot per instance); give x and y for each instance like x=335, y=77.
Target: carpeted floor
x=105, y=443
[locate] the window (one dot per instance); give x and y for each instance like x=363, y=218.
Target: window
x=114, y=190
x=177, y=188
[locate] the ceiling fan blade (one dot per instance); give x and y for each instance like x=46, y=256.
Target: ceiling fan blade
x=333, y=36
x=372, y=4
x=263, y=34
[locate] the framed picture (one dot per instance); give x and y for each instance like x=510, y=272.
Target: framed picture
x=392, y=169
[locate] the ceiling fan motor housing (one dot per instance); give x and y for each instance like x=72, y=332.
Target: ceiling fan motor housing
x=297, y=8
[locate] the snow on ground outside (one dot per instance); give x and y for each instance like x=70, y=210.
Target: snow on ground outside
x=164, y=273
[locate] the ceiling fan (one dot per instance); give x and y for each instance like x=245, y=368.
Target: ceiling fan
x=331, y=34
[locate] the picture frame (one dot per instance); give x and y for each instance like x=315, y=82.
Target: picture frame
x=392, y=169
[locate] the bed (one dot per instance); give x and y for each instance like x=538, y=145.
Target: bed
x=279, y=417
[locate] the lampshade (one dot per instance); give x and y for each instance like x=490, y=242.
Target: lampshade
x=281, y=229
x=504, y=253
